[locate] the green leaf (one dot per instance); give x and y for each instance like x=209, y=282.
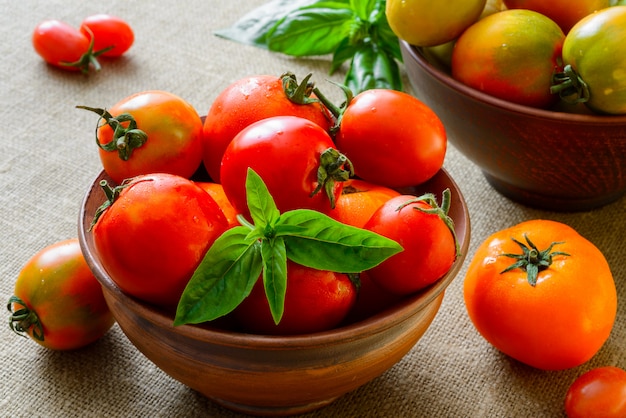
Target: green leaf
x=275, y=275
x=320, y=242
x=310, y=31
x=223, y=279
x=261, y=205
x=373, y=68
x=252, y=28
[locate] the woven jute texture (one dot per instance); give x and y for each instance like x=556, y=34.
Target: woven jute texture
x=48, y=158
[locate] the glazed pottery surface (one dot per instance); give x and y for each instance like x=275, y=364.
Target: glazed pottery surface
x=542, y=158
x=277, y=375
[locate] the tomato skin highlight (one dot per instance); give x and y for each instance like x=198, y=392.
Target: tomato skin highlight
x=510, y=55
x=244, y=102
x=429, y=246
x=392, y=138
x=174, y=131
x=59, y=43
x=594, y=48
x=315, y=301
x=559, y=323
x=57, y=284
x=108, y=31
x=600, y=392
x=285, y=152
x=154, y=235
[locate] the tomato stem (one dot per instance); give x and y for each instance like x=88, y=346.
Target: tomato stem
x=89, y=58
x=331, y=170
x=436, y=209
x=570, y=86
x=126, y=135
x=111, y=194
x=24, y=319
x=532, y=260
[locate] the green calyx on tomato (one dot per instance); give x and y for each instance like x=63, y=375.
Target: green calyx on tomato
x=126, y=136
x=89, y=58
x=570, y=87
x=298, y=93
x=24, y=319
x=111, y=194
x=532, y=260
x=331, y=171
x=232, y=265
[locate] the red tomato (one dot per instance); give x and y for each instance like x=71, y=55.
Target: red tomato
x=246, y=101
x=166, y=137
x=506, y=286
x=155, y=233
x=217, y=193
x=63, y=46
x=108, y=31
x=315, y=300
x=598, y=393
x=429, y=244
x=57, y=300
x=565, y=13
x=392, y=138
x=286, y=152
x=510, y=55
x=359, y=200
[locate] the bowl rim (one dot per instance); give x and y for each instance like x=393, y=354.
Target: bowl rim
x=550, y=115
x=372, y=325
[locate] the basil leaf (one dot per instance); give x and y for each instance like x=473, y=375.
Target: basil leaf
x=373, y=68
x=275, y=275
x=223, y=279
x=261, y=205
x=323, y=243
x=311, y=31
x=252, y=28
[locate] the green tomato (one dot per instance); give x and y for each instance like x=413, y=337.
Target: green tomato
x=595, y=50
x=429, y=23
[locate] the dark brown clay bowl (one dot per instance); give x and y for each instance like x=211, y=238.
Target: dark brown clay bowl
x=541, y=158
x=277, y=375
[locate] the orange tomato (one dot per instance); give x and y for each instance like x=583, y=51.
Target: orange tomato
x=359, y=200
x=564, y=318
x=216, y=191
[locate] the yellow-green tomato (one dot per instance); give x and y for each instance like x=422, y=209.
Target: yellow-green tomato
x=595, y=48
x=429, y=23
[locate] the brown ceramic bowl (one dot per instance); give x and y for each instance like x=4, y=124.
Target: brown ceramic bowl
x=277, y=375
x=546, y=159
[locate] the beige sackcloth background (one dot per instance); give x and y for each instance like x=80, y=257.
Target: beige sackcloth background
x=48, y=158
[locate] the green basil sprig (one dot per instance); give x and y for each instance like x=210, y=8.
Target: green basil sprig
x=233, y=264
x=354, y=31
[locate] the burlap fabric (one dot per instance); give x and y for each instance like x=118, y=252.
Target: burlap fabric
x=48, y=159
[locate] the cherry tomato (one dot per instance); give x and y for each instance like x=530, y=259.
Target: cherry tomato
x=249, y=100
x=428, y=23
x=287, y=153
x=315, y=300
x=594, y=50
x=565, y=13
x=392, y=138
x=57, y=301
x=529, y=293
x=424, y=231
x=153, y=235
x=149, y=132
x=359, y=200
x=598, y=393
x=511, y=55
x=216, y=191
x=63, y=46
x=109, y=32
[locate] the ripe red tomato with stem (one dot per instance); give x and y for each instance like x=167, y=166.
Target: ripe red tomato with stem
x=511, y=55
x=425, y=231
x=110, y=33
x=315, y=300
x=600, y=392
x=251, y=99
x=65, y=47
x=392, y=138
x=152, y=232
x=57, y=301
x=151, y=131
x=296, y=159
